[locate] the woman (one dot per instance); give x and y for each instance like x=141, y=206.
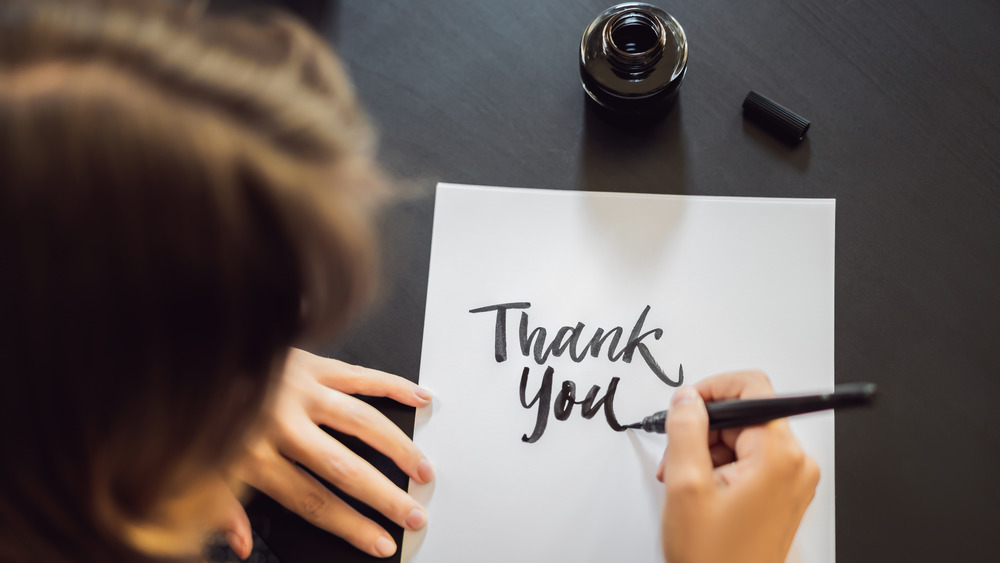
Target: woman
x=183, y=198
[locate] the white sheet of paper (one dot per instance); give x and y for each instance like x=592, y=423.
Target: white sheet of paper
x=732, y=283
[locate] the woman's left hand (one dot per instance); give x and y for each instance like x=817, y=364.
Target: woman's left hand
x=317, y=391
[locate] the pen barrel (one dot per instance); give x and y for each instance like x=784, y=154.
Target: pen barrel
x=748, y=412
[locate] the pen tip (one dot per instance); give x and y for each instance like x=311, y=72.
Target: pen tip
x=634, y=425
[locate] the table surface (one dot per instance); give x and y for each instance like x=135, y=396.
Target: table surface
x=904, y=97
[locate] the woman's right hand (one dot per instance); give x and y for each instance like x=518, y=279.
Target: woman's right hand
x=736, y=494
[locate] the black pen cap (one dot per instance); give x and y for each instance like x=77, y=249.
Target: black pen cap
x=774, y=118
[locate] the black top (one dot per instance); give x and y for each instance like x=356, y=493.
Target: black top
x=904, y=100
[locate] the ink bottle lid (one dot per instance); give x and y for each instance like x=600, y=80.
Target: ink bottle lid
x=775, y=118
x=633, y=58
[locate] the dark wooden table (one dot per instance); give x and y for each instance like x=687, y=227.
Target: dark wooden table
x=904, y=97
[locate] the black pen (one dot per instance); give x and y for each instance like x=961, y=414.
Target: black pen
x=748, y=412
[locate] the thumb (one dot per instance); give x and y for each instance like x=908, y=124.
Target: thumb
x=687, y=461
x=236, y=528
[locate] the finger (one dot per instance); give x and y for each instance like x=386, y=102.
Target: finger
x=688, y=464
x=735, y=385
x=802, y=488
x=299, y=492
x=729, y=473
x=361, y=420
x=358, y=380
x=728, y=436
x=350, y=473
x=721, y=454
x=716, y=449
x=236, y=528
x=743, y=385
x=810, y=480
x=713, y=437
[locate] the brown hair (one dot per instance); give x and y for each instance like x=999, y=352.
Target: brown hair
x=182, y=197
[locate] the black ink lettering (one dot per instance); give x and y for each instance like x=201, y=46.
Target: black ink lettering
x=568, y=338
x=565, y=400
x=500, y=346
x=560, y=343
x=575, y=340
x=589, y=408
x=597, y=342
x=562, y=406
x=658, y=371
x=543, y=397
x=537, y=335
x=609, y=406
x=635, y=342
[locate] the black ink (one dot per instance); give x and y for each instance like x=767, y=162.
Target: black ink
x=635, y=341
x=568, y=338
x=609, y=406
x=537, y=335
x=658, y=371
x=542, y=398
x=595, y=344
x=533, y=344
x=590, y=408
x=560, y=343
x=565, y=400
x=562, y=406
x=500, y=346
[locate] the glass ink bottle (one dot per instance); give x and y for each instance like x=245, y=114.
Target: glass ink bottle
x=633, y=58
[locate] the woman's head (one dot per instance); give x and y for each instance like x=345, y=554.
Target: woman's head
x=182, y=197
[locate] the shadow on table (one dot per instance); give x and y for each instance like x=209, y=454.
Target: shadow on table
x=797, y=156
x=628, y=154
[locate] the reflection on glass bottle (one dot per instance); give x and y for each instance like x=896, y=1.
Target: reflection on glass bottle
x=633, y=58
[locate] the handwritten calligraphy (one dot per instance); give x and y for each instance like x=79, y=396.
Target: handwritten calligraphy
x=534, y=345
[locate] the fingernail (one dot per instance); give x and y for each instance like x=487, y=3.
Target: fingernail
x=685, y=396
x=384, y=547
x=422, y=394
x=236, y=543
x=416, y=519
x=425, y=470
